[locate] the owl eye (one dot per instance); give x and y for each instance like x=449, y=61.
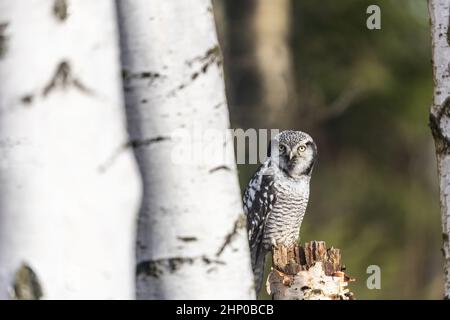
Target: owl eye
x=281, y=148
x=301, y=148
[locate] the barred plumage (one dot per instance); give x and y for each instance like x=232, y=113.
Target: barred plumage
x=276, y=197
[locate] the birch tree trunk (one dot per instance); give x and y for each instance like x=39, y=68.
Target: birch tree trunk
x=440, y=117
x=67, y=206
x=261, y=72
x=191, y=234
x=271, y=26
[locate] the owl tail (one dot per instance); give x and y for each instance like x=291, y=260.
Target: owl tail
x=258, y=263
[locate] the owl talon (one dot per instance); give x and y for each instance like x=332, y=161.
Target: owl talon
x=275, y=245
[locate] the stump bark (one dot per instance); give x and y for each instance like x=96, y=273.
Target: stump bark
x=312, y=272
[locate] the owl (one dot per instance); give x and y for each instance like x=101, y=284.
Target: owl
x=276, y=197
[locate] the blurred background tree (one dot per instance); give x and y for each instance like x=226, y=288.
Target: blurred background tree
x=364, y=96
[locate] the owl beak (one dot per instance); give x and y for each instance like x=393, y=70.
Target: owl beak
x=291, y=155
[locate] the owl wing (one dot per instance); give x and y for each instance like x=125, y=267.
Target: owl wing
x=259, y=198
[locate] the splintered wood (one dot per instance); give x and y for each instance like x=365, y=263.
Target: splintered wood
x=312, y=272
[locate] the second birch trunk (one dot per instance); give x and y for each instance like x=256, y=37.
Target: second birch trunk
x=440, y=117
x=191, y=235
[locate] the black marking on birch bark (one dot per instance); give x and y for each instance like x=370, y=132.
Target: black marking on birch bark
x=127, y=75
x=176, y=263
x=217, y=106
x=212, y=56
x=112, y=159
x=187, y=239
x=152, y=75
x=141, y=245
x=210, y=261
x=148, y=268
x=27, y=99
x=130, y=144
x=215, y=169
x=156, y=268
x=146, y=142
x=3, y=39
x=442, y=141
x=209, y=270
x=60, y=9
x=64, y=78
x=26, y=284
x=144, y=75
x=239, y=224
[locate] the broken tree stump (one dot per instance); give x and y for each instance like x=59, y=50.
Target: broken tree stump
x=312, y=272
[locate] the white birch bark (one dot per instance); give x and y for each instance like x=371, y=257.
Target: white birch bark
x=191, y=237
x=440, y=117
x=67, y=208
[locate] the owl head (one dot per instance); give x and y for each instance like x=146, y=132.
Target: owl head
x=294, y=152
